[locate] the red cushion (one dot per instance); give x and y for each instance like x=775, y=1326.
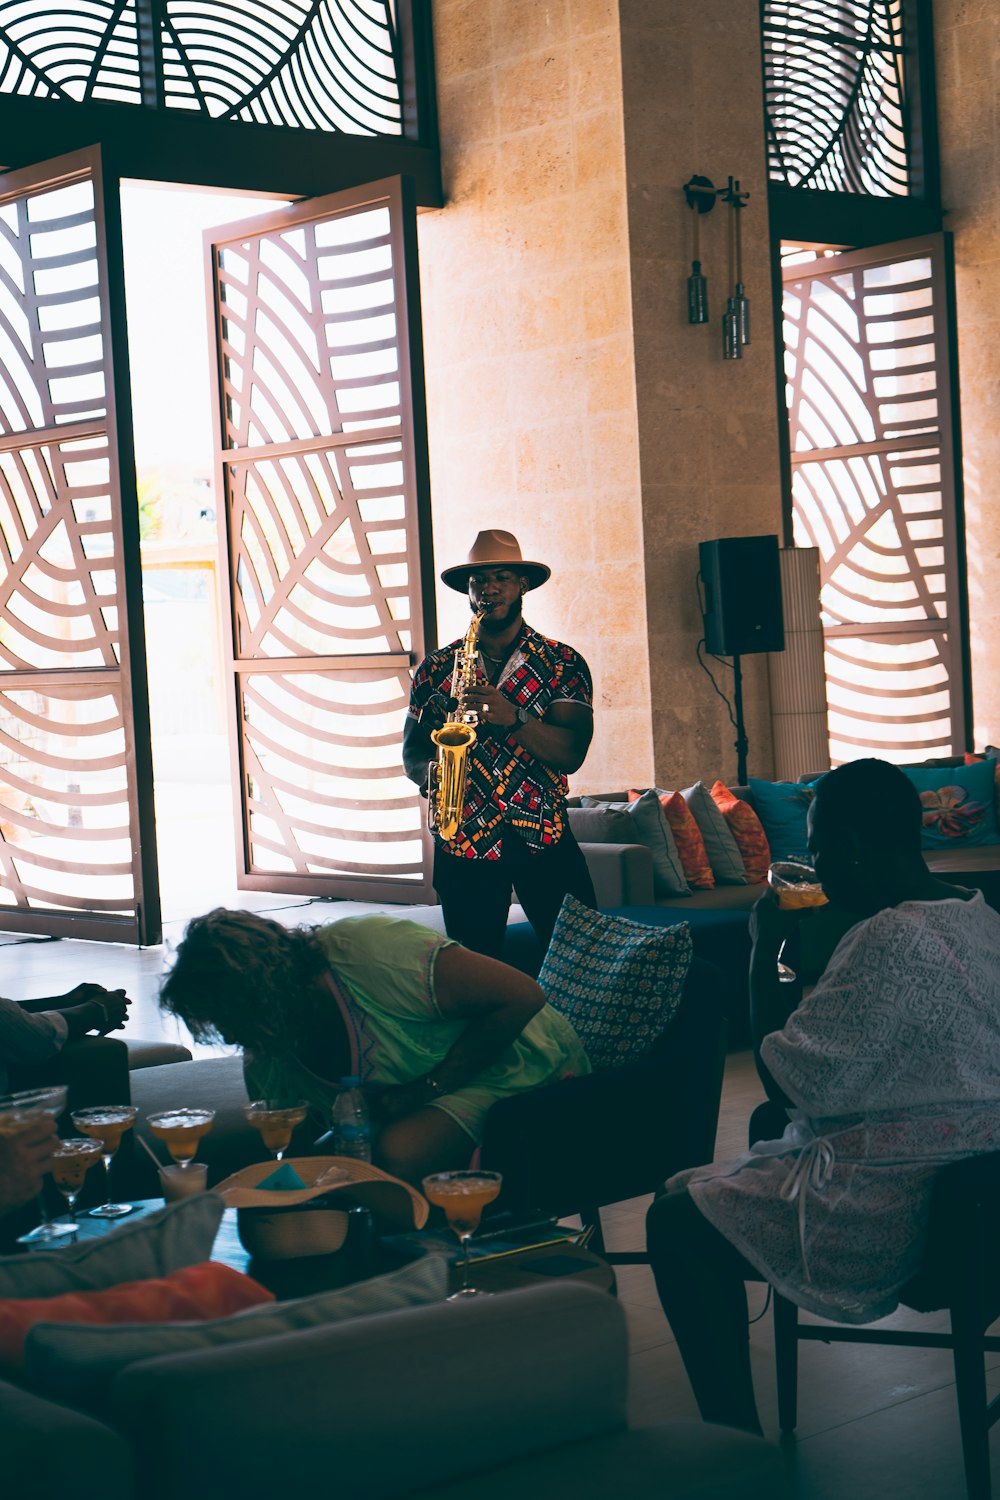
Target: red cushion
x=193, y=1294
x=748, y=831
x=687, y=837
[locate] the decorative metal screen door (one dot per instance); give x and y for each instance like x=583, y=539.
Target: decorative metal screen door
x=77, y=851
x=874, y=487
x=324, y=473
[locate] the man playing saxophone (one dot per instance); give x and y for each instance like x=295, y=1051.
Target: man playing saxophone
x=532, y=702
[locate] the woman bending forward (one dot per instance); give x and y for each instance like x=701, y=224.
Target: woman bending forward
x=438, y=1034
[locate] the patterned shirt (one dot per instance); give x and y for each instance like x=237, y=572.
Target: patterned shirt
x=505, y=785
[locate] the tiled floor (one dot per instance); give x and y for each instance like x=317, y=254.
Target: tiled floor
x=875, y=1423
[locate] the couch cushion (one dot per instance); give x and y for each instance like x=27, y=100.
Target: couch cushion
x=746, y=829
x=782, y=807
x=618, y=982
x=959, y=804
x=203, y=1291
x=79, y=1364
x=649, y=826
x=179, y=1235
x=723, y=851
x=687, y=836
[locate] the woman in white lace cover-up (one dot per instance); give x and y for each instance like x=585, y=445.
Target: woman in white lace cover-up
x=889, y=1069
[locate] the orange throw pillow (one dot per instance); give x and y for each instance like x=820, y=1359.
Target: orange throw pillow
x=747, y=830
x=687, y=837
x=193, y=1294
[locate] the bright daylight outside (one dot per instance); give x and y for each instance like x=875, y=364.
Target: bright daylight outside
x=173, y=374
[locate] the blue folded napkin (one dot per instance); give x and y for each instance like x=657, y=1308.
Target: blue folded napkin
x=284, y=1180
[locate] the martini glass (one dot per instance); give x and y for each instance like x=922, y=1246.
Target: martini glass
x=463, y=1196
x=106, y=1124
x=276, y=1121
x=180, y=1130
x=17, y=1113
x=73, y=1160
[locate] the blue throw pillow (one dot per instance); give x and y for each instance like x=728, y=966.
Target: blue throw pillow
x=618, y=982
x=959, y=806
x=782, y=807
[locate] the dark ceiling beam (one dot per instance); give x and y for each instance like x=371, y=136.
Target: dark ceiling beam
x=175, y=146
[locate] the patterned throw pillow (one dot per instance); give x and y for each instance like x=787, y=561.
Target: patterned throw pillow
x=618, y=982
x=992, y=755
x=687, y=837
x=747, y=830
x=958, y=803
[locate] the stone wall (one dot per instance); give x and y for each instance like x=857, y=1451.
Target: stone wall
x=708, y=436
x=568, y=397
x=528, y=338
x=967, y=36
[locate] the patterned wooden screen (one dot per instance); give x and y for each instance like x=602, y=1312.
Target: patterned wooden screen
x=873, y=485
x=324, y=473
x=835, y=98
x=331, y=65
x=72, y=830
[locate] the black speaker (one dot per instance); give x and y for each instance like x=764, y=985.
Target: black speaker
x=741, y=577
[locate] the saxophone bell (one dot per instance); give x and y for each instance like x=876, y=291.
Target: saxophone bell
x=447, y=775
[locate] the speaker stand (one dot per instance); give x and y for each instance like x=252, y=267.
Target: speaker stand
x=742, y=743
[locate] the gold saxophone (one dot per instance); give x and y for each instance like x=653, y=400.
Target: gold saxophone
x=455, y=738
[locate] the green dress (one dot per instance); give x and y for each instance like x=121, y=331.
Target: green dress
x=384, y=969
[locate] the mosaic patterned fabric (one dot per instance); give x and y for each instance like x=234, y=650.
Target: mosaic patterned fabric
x=618, y=982
x=505, y=785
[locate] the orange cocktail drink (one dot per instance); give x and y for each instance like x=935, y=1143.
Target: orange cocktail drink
x=106, y=1124
x=463, y=1196
x=276, y=1121
x=180, y=1130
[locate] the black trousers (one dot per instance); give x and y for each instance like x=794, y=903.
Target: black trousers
x=475, y=893
x=700, y=1277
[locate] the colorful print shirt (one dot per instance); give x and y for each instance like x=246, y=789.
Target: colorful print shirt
x=506, y=787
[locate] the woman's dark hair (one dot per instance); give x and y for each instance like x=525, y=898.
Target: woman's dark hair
x=243, y=979
x=875, y=801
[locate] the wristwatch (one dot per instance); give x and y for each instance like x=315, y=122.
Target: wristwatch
x=436, y=1088
x=523, y=716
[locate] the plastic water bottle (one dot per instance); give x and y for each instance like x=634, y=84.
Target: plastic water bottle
x=352, y=1131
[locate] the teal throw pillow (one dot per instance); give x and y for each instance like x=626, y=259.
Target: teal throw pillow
x=782, y=807
x=618, y=982
x=650, y=827
x=959, y=805
x=76, y=1363
x=721, y=847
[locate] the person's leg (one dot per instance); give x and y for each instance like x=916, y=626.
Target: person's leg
x=475, y=899
x=426, y=1141
x=542, y=880
x=700, y=1277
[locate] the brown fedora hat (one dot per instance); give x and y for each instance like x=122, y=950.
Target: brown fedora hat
x=495, y=549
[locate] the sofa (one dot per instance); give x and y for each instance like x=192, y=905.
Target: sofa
x=519, y=1393
x=623, y=875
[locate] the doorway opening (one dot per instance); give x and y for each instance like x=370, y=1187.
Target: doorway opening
x=173, y=391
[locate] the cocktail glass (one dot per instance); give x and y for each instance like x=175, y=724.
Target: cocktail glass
x=463, y=1196
x=106, y=1124
x=180, y=1130
x=73, y=1160
x=276, y=1121
x=18, y=1112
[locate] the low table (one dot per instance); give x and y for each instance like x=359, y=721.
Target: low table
x=366, y=1254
